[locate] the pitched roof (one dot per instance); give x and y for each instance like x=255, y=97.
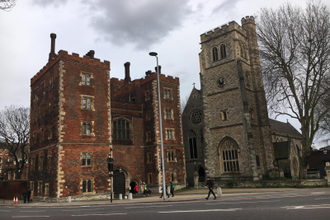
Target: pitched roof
x=283, y=127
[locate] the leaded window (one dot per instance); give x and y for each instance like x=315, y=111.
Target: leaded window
x=229, y=156
x=223, y=51
x=192, y=145
x=215, y=54
x=121, y=130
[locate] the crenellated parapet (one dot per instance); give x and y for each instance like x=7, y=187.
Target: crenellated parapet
x=248, y=20
x=226, y=28
x=74, y=57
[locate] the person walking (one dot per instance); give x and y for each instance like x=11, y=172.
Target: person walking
x=168, y=196
x=28, y=195
x=172, y=189
x=210, y=184
x=25, y=195
x=136, y=188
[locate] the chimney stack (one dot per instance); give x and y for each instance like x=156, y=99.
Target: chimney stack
x=52, y=47
x=159, y=69
x=127, y=73
x=91, y=54
x=148, y=73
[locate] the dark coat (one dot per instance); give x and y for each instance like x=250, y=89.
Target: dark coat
x=210, y=184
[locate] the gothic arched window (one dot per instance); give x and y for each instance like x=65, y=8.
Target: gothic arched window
x=223, y=51
x=229, y=156
x=215, y=54
x=192, y=145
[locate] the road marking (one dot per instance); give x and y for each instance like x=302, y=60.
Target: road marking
x=101, y=214
x=207, y=210
x=317, y=193
x=34, y=211
x=37, y=216
x=73, y=210
x=322, y=198
x=322, y=206
x=230, y=203
x=143, y=207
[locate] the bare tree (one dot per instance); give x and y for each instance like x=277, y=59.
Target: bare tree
x=14, y=131
x=7, y=5
x=295, y=57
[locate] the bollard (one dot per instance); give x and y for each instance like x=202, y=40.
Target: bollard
x=120, y=196
x=219, y=192
x=130, y=196
x=69, y=198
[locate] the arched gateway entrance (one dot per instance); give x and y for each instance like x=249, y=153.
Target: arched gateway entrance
x=118, y=183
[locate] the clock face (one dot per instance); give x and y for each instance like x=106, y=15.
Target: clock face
x=221, y=82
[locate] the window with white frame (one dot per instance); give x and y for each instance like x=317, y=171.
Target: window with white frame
x=86, y=79
x=169, y=133
x=87, y=102
x=171, y=156
x=168, y=114
x=167, y=93
x=86, y=159
x=229, y=156
x=87, y=128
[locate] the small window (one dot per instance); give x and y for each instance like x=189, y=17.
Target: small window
x=258, y=160
x=87, y=186
x=147, y=95
x=168, y=114
x=215, y=54
x=171, y=156
x=167, y=94
x=148, y=136
x=148, y=116
x=149, y=157
x=169, y=134
x=87, y=103
x=149, y=178
x=223, y=51
x=173, y=175
x=224, y=115
x=86, y=79
x=86, y=159
x=192, y=145
x=86, y=128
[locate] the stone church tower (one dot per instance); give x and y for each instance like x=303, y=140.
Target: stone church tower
x=236, y=125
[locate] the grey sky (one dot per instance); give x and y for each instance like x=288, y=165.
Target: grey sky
x=118, y=31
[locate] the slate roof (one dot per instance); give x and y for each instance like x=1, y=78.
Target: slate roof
x=283, y=127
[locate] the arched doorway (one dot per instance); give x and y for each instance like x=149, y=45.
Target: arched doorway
x=201, y=174
x=118, y=183
x=132, y=185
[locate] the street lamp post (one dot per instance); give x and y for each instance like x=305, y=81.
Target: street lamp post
x=154, y=54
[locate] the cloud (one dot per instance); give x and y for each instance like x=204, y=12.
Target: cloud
x=226, y=6
x=46, y=3
x=142, y=23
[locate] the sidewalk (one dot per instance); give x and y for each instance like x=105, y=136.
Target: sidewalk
x=186, y=195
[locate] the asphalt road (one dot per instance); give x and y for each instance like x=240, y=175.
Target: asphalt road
x=315, y=206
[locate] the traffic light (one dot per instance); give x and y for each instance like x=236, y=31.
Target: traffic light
x=110, y=164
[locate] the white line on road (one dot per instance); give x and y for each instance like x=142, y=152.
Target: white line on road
x=234, y=203
x=322, y=198
x=34, y=211
x=37, y=216
x=322, y=206
x=143, y=207
x=73, y=210
x=101, y=214
x=207, y=210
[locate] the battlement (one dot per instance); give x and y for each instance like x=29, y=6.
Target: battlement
x=62, y=54
x=228, y=27
x=248, y=20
